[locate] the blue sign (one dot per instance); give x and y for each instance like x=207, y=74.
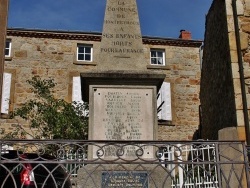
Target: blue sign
x=126, y=179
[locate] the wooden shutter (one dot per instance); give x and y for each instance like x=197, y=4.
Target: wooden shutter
x=76, y=92
x=6, y=93
x=165, y=96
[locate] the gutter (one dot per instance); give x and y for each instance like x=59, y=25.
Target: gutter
x=241, y=72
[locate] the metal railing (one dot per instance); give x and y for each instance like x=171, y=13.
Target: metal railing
x=124, y=164
x=191, y=175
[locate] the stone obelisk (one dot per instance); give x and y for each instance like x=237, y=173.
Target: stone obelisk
x=121, y=46
x=122, y=101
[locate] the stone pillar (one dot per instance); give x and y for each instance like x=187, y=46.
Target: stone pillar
x=3, y=28
x=230, y=172
x=121, y=47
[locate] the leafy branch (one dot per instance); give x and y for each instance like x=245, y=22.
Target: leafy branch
x=49, y=117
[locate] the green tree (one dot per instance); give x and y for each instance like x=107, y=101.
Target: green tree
x=49, y=117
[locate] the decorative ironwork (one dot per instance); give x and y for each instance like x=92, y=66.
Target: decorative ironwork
x=167, y=164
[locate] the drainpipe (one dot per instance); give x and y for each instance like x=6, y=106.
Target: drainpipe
x=241, y=71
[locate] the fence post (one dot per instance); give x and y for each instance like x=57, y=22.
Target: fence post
x=180, y=166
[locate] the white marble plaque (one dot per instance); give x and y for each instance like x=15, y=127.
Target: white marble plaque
x=122, y=113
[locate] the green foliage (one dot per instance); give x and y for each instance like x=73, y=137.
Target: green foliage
x=49, y=117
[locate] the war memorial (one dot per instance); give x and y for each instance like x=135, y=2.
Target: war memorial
x=122, y=98
x=127, y=145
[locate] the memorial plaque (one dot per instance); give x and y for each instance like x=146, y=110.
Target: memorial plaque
x=123, y=113
x=134, y=179
x=121, y=46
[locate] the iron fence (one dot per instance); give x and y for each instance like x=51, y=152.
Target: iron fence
x=91, y=164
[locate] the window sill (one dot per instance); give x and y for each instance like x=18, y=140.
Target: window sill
x=85, y=63
x=5, y=116
x=8, y=58
x=165, y=123
x=164, y=67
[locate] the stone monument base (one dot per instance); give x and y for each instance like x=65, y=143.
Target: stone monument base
x=123, y=175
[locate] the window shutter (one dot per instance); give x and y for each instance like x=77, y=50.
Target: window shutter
x=165, y=96
x=6, y=93
x=77, y=93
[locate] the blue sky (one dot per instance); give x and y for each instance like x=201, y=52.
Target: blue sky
x=162, y=18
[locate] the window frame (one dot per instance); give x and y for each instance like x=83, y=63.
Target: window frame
x=84, y=53
x=163, y=57
x=8, y=48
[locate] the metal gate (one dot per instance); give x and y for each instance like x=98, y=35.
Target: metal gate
x=103, y=164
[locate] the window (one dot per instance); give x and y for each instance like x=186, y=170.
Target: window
x=157, y=57
x=164, y=102
x=8, y=48
x=84, y=52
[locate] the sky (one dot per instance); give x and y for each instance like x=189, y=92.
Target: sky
x=158, y=18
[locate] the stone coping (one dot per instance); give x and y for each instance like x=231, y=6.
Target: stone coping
x=140, y=78
x=96, y=36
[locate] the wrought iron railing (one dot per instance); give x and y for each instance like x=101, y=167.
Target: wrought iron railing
x=83, y=164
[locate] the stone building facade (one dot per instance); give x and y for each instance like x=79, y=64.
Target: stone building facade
x=63, y=55
x=225, y=88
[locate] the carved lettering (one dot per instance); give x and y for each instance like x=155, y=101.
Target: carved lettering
x=125, y=179
x=118, y=22
x=123, y=38
x=122, y=116
x=122, y=50
x=122, y=9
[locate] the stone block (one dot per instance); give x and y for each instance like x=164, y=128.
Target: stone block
x=238, y=101
x=235, y=70
x=240, y=7
x=21, y=54
x=194, y=82
x=241, y=132
x=90, y=176
x=244, y=40
x=247, y=9
x=245, y=27
x=234, y=58
x=240, y=118
x=228, y=154
x=237, y=86
x=229, y=10
x=232, y=41
x=230, y=23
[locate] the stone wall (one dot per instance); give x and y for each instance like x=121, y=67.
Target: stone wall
x=56, y=58
x=217, y=86
x=184, y=76
x=243, y=11
x=220, y=46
